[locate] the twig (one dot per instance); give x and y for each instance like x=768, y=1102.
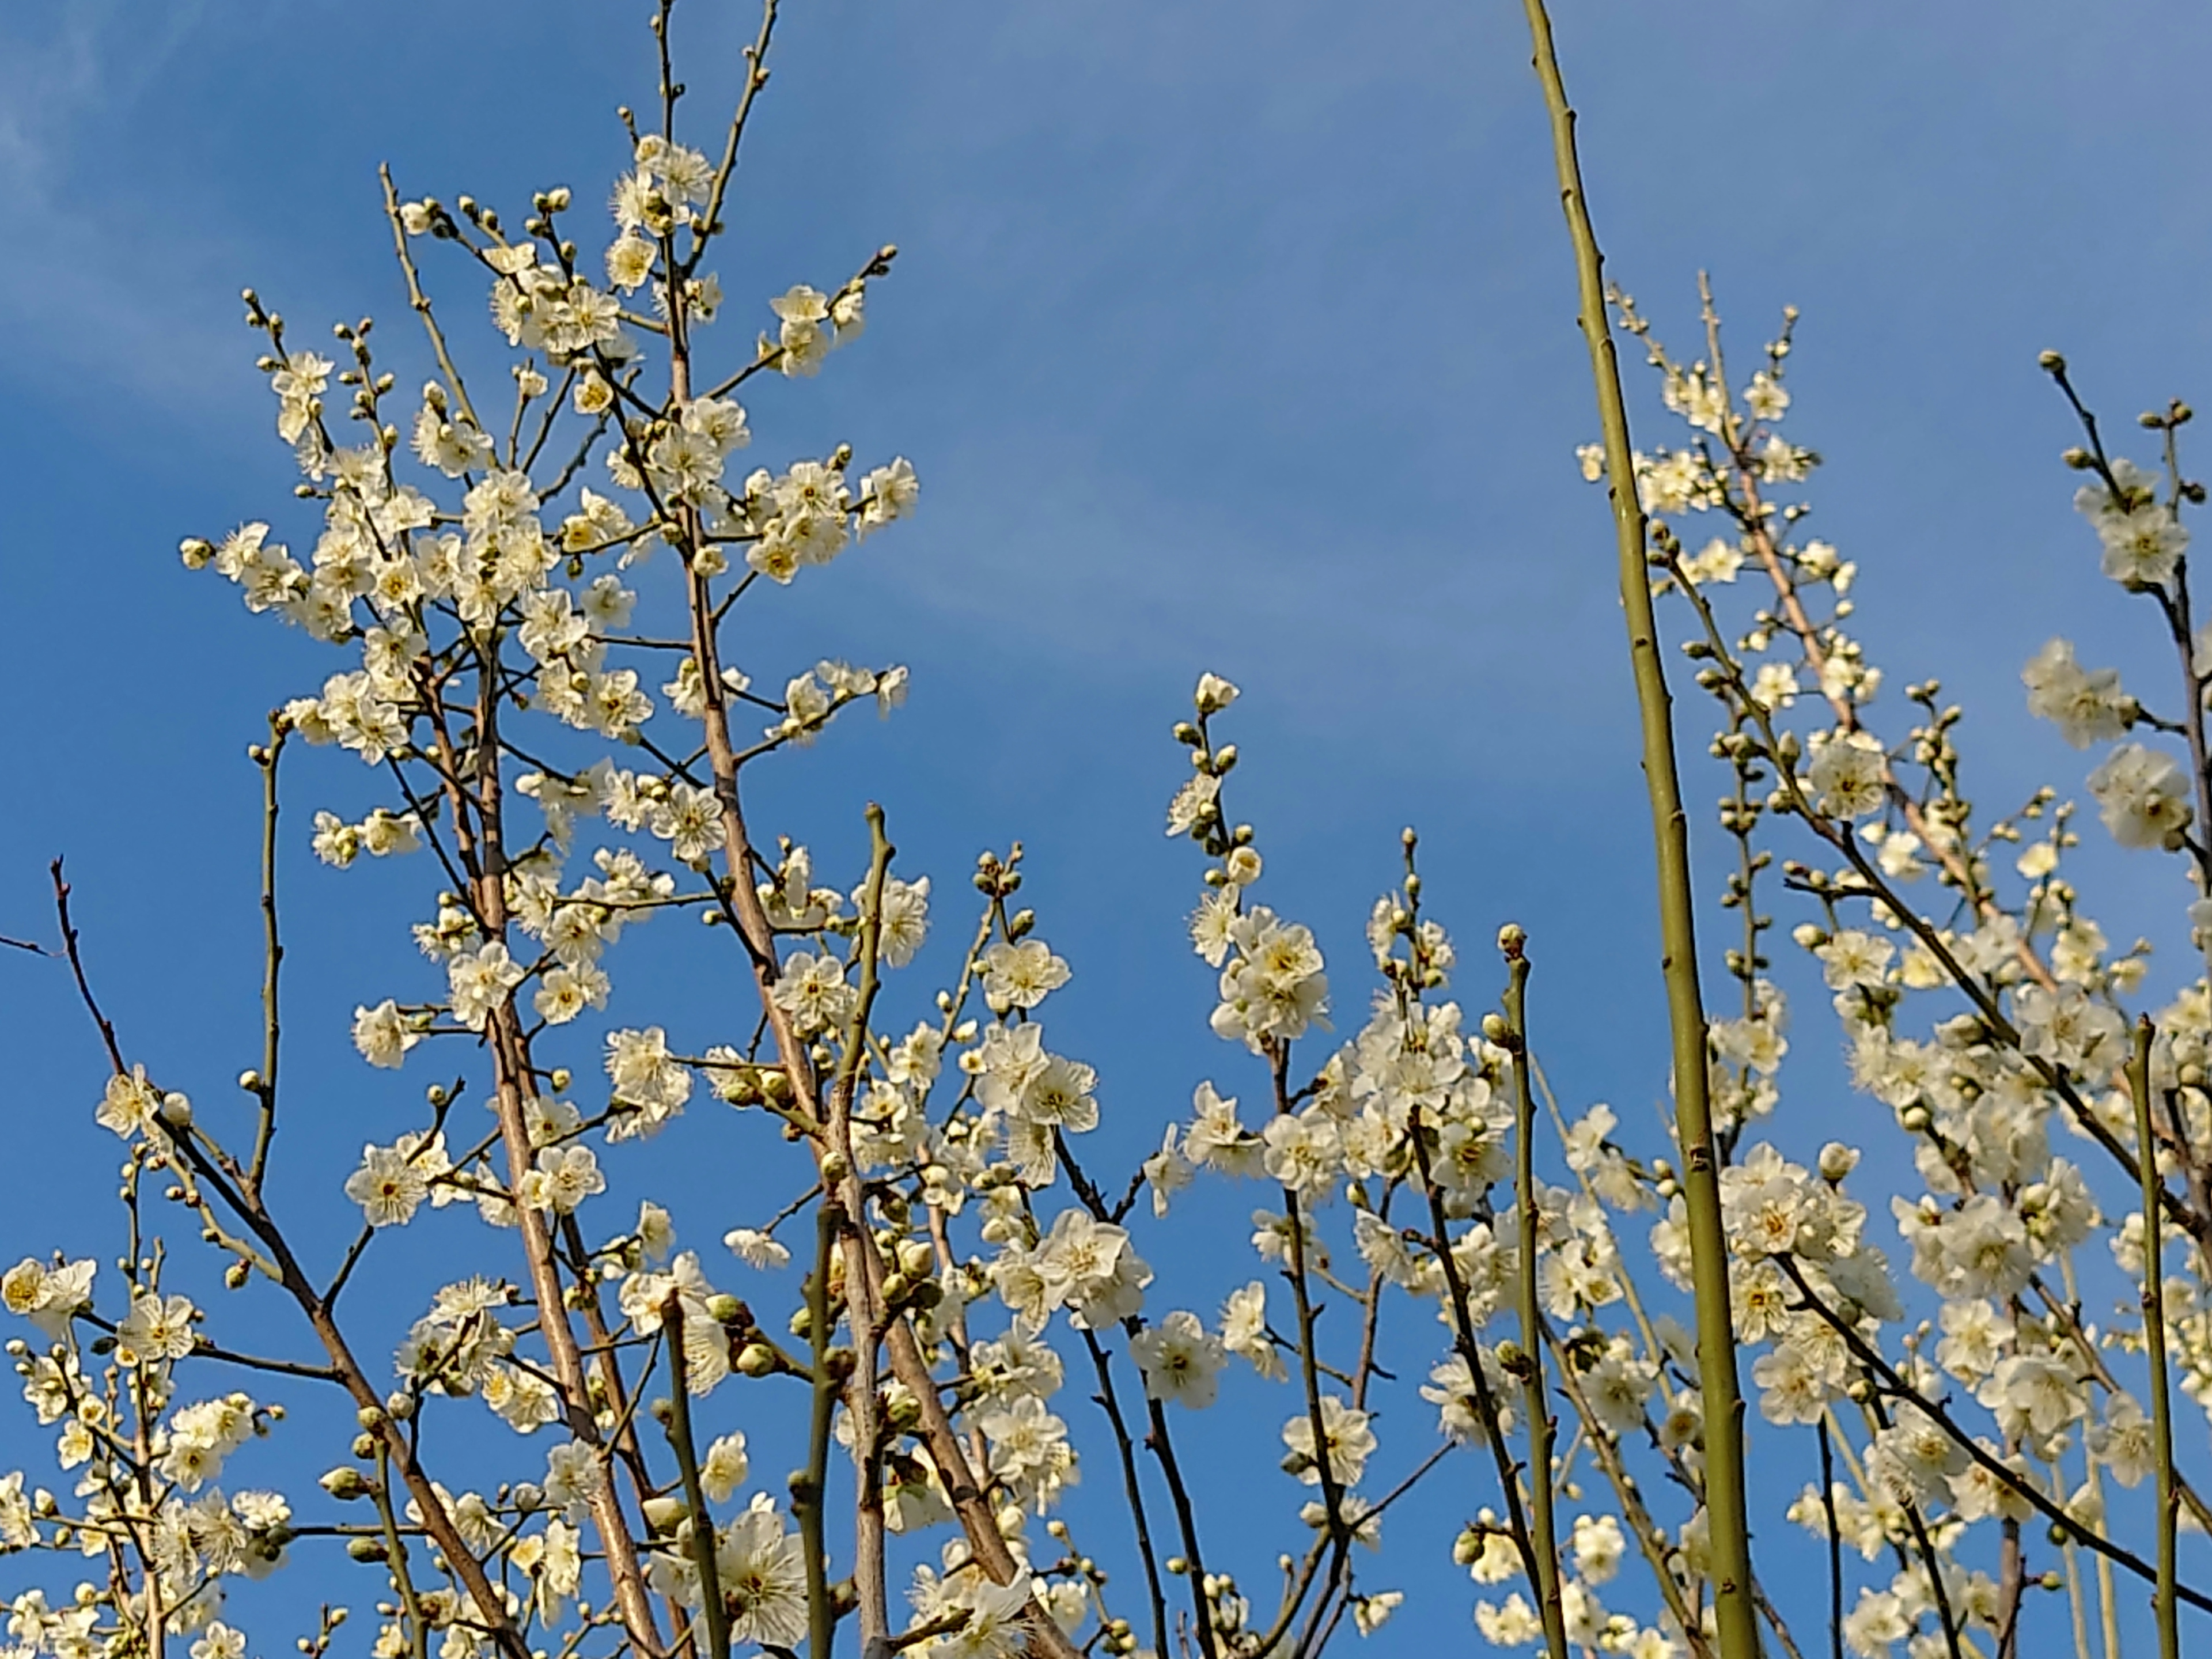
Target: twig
x=695, y=1494
x=1111, y=1405
x=395, y=1555
x=756, y=78
x=265, y=1089
x=70, y=948
x=421, y=301
x=1543, y=1531
x=2154, y=1314
x=1835, y=1542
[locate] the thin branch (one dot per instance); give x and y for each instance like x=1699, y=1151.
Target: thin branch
x=420, y=300
x=695, y=1494
x=2154, y=1314
x=1543, y=1531
x=266, y=756
x=807, y=1491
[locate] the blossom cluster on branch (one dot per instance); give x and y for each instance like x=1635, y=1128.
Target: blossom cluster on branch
x=488, y=578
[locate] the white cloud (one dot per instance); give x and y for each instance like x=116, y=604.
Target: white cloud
x=102, y=297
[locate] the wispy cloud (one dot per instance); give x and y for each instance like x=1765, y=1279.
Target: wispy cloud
x=115, y=290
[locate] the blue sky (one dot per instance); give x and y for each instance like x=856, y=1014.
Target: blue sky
x=1236, y=337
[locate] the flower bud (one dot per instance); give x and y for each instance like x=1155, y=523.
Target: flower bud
x=176, y=1110
x=365, y=1549
x=1494, y=1028
x=916, y=1259
x=756, y=1359
x=364, y=1446
x=1837, y=1160
x=663, y=1515
x=724, y=1310
x=343, y=1483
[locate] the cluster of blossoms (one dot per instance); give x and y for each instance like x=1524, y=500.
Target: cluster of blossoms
x=951, y=1252
x=1983, y=1409
x=571, y=775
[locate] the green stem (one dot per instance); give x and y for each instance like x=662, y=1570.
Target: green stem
x=2164, y=1600
x=1735, y=1617
x=808, y=1489
x=395, y=1555
x=686, y=1449
x=1541, y=1428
